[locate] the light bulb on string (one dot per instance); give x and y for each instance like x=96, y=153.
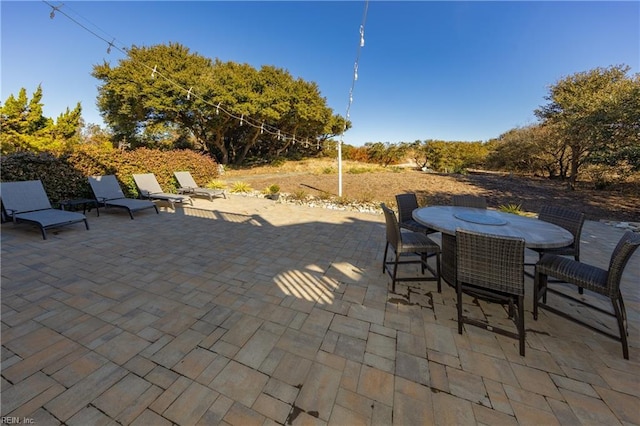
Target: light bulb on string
x=269, y=129
x=355, y=71
x=54, y=9
x=110, y=46
x=361, y=35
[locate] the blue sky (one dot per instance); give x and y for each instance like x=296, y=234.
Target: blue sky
x=451, y=70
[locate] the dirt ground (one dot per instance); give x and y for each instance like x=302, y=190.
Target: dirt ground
x=622, y=204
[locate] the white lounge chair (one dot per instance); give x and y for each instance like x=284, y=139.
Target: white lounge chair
x=189, y=186
x=150, y=188
x=27, y=201
x=108, y=193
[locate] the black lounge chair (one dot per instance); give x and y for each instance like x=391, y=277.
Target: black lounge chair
x=150, y=188
x=189, y=186
x=108, y=193
x=27, y=201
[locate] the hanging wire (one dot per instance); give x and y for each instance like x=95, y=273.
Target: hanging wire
x=155, y=72
x=353, y=85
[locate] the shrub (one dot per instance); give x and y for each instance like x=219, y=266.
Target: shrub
x=216, y=184
x=511, y=208
x=271, y=189
x=61, y=180
x=65, y=176
x=241, y=187
x=299, y=195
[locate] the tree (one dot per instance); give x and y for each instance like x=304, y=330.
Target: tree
x=597, y=117
x=164, y=94
x=386, y=154
x=23, y=127
x=532, y=149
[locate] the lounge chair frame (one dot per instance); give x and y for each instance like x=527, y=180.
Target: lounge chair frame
x=107, y=192
x=27, y=201
x=189, y=186
x=150, y=188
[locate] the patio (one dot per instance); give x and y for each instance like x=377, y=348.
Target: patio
x=245, y=311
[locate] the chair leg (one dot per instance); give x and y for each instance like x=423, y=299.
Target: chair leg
x=521, y=332
x=459, y=305
x=395, y=271
x=438, y=271
x=539, y=286
x=620, y=316
x=384, y=259
x=623, y=310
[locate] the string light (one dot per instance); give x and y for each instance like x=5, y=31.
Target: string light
x=110, y=46
x=353, y=83
x=281, y=136
x=54, y=9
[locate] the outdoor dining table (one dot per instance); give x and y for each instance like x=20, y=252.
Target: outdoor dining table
x=446, y=219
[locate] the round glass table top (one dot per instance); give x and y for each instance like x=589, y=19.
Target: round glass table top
x=482, y=219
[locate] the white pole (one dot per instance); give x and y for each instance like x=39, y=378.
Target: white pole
x=340, y=168
x=353, y=83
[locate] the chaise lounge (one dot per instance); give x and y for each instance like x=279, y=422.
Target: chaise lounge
x=108, y=193
x=150, y=188
x=189, y=186
x=27, y=201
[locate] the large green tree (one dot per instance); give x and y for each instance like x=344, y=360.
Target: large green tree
x=23, y=127
x=597, y=117
x=165, y=94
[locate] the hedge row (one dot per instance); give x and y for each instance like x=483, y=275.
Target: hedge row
x=65, y=177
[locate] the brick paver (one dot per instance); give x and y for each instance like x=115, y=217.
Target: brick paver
x=245, y=311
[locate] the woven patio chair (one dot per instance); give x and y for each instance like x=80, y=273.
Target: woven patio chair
x=406, y=243
x=407, y=203
x=600, y=281
x=491, y=268
x=108, y=193
x=572, y=221
x=474, y=201
x=189, y=186
x=150, y=188
x=27, y=201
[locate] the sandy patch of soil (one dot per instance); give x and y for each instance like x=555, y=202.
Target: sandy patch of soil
x=622, y=204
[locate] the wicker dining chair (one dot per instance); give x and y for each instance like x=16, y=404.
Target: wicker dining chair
x=491, y=268
x=408, y=243
x=595, y=279
x=474, y=201
x=407, y=203
x=572, y=221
